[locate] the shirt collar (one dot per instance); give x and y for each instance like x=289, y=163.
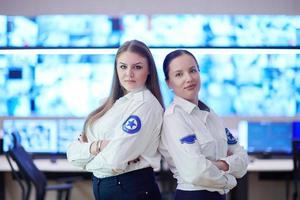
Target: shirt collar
x=137, y=94
x=203, y=106
x=184, y=104
x=188, y=106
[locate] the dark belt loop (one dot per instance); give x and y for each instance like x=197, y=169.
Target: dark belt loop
x=98, y=181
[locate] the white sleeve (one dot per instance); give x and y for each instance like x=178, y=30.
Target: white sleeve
x=130, y=143
x=78, y=153
x=191, y=164
x=237, y=161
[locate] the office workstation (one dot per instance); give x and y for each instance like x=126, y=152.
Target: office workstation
x=62, y=167
x=270, y=162
x=60, y=69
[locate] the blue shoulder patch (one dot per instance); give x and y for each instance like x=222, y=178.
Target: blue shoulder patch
x=230, y=139
x=190, y=139
x=132, y=124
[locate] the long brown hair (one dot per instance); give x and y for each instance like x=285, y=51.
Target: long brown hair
x=152, y=82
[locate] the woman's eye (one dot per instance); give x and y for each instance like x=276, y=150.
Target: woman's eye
x=194, y=70
x=138, y=67
x=123, y=66
x=178, y=74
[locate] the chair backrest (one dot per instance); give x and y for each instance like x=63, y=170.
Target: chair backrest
x=296, y=154
x=28, y=169
x=296, y=164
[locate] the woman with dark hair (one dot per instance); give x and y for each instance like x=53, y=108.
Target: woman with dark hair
x=201, y=153
x=120, y=138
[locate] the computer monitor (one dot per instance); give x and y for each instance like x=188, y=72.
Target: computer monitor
x=43, y=136
x=266, y=138
x=68, y=131
x=296, y=130
x=37, y=136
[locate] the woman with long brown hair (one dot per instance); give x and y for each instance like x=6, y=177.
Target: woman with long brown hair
x=120, y=138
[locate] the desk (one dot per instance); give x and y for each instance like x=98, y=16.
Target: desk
x=261, y=165
x=62, y=165
x=270, y=165
x=255, y=165
x=45, y=165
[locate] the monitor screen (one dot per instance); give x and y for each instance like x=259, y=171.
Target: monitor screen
x=38, y=136
x=43, y=136
x=16, y=36
x=266, y=138
x=296, y=130
x=68, y=131
x=3, y=30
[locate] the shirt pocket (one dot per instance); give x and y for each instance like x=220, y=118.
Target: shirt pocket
x=207, y=145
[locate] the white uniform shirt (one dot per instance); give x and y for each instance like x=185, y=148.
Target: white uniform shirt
x=191, y=138
x=133, y=127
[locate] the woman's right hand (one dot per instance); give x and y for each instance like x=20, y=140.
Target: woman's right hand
x=82, y=138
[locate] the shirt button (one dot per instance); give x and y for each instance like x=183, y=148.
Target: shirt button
x=146, y=193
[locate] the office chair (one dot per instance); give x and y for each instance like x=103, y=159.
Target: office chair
x=296, y=169
x=16, y=174
x=29, y=174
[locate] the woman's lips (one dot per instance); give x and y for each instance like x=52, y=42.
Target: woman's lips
x=190, y=87
x=129, y=81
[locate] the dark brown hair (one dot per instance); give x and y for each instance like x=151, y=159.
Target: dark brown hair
x=171, y=56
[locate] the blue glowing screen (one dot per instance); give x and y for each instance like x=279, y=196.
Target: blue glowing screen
x=266, y=137
x=42, y=136
x=253, y=84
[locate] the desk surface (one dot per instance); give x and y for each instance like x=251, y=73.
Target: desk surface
x=46, y=165
x=62, y=165
x=270, y=165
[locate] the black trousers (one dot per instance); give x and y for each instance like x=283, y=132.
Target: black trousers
x=134, y=185
x=198, y=195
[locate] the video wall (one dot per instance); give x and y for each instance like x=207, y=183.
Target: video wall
x=72, y=84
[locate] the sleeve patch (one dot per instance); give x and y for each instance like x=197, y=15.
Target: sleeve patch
x=132, y=124
x=190, y=139
x=230, y=139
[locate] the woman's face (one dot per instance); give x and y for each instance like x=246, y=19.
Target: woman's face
x=184, y=78
x=132, y=70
